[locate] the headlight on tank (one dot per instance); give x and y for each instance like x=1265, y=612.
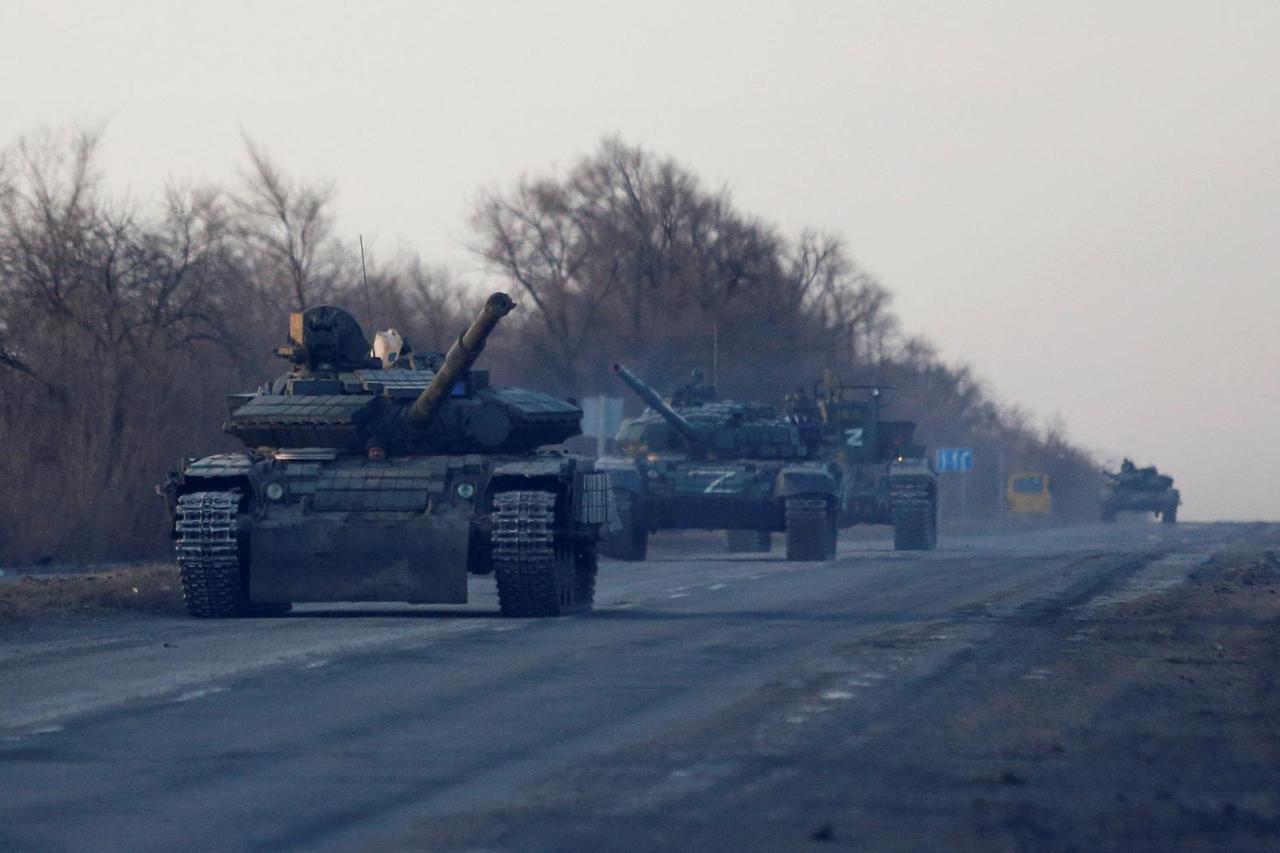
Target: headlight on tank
x=465, y=491
x=275, y=491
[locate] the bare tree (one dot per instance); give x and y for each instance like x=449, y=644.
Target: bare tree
x=287, y=226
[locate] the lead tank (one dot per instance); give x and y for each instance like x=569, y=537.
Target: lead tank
x=698, y=462
x=1134, y=489
x=362, y=482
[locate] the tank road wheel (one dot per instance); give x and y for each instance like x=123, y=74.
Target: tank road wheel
x=631, y=543
x=211, y=559
x=749, y=541
x=1169, y=516
x=915, y=517
x=811, y=529
x=536, y=574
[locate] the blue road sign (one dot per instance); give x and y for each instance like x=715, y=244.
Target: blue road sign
x=955, y=459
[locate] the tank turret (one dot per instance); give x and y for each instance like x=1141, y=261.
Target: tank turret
x=654, y=401
x=341, y=397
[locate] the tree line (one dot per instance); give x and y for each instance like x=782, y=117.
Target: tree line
x=124, y=324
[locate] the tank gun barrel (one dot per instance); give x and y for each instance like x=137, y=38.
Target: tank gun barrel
x=459, y=359
x=654, y=400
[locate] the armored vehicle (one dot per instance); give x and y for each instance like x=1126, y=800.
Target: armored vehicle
x=885, y=477
x=1134, y=489
x=704, y=463
x=368, y=482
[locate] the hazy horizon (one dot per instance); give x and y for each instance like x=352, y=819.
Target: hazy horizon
x=1080, y=201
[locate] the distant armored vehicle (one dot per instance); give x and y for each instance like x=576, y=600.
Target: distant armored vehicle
x=369, y=482
x=703, y=463
x=1134, y=489
x=885, y=477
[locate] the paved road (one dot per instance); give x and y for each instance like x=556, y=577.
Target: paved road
x=341, y=727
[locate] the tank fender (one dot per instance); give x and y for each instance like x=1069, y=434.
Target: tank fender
x=556, y=467
x=911, y=469
x=796, y=480
x=550, y=473
x=222, y=472
x=584, y=492
x=593, y=502
x=219, y=466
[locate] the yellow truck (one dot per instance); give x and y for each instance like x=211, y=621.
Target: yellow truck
x=1028, y=495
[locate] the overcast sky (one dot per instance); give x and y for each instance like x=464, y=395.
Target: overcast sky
x=1082, y=200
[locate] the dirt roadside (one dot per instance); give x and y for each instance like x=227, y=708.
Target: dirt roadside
x=1138, y=720
x=144, y=588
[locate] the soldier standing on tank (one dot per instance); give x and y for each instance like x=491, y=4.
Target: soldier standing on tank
x=799, y=405
x=806, y=415
x=695, y=392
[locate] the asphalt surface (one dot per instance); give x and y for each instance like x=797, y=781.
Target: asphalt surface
x=342, y=727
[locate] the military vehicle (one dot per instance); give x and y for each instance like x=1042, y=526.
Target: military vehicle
x=1134, y=489
x=363, y=482
x=1028, y=494
x=885, y=477
x=709, y=464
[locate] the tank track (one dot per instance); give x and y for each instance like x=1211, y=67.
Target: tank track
x=534, y=576
x=811, y=536
x=914, y=517
x=208, y=555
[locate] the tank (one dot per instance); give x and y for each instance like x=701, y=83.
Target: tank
x=698, y=462
x=885, y=476
x=369, y=479
x=1134, y=489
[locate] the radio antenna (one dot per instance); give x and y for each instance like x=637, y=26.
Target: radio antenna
x=364, y=273
x=715, y=355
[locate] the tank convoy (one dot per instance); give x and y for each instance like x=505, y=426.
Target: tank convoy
x=884, y=476
x=388, y=479
x=1134, y=489
x=698, y=462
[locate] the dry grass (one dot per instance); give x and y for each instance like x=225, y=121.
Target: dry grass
x=151, y=588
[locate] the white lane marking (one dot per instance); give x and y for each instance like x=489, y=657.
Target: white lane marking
x=316, y=664
x=678, y=595
x=199, y=694
x=838, y=695
x=718, y=586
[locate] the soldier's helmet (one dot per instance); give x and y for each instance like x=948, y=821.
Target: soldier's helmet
x=387, y=346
